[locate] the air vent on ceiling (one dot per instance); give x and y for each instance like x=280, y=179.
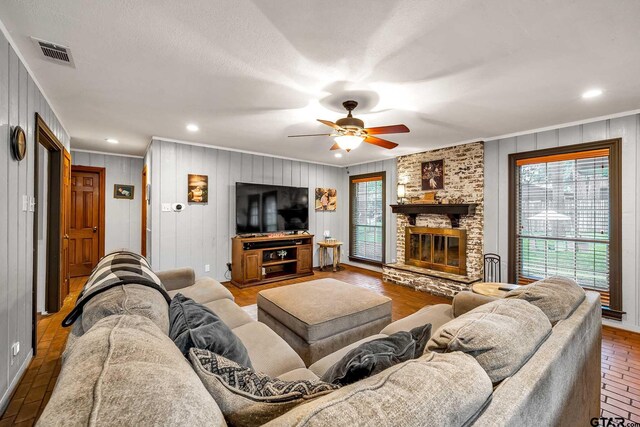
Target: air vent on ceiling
x=54, y=52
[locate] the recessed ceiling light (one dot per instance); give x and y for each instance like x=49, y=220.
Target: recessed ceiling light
x=338, y=155
x=592, y=93
x=112, y=140
x=192, y=127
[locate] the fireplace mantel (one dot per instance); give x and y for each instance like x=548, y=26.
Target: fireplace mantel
x=453, y=211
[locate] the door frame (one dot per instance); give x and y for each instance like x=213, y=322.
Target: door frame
x=352, y=227
x=101, y=209
x=55, y=227
x=143, y=210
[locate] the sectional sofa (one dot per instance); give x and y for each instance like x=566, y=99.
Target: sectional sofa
x=121, y=368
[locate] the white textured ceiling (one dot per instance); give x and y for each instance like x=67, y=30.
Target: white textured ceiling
x=249, y=73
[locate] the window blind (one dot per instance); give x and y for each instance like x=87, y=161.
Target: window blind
x=563, y=218
x=367, y=218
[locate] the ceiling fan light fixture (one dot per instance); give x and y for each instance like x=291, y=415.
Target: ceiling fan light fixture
x=349, y=142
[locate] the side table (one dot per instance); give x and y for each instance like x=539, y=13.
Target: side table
x=492, y=289
x=324, y=254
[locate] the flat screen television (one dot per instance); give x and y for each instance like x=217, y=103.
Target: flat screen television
x=265, y=208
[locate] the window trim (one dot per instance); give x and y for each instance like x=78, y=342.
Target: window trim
x=352, y=196
x=615, y=197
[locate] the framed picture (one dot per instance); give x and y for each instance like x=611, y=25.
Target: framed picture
x=326, y=199
x=198, y=189
x=433, y=175
x=123, y=191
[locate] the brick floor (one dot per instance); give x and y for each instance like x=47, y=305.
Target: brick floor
x=620, y=350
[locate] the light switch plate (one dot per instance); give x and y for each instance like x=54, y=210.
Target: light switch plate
x=25, y=203
x=207, y=268
x=166, y=207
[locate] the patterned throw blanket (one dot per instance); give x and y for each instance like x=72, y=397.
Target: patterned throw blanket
x=115, y=269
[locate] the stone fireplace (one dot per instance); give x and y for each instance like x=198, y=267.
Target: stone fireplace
x=440, y=246
x=440, y=249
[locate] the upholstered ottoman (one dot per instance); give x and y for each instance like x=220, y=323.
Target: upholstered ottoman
x=319, y=317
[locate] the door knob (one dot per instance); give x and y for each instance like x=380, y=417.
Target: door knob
x=95, y=229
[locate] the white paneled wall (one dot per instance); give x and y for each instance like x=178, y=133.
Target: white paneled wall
x=20, y=99
x=122, y=217
x=497, y=183
x=201, y=234
x=390, y=167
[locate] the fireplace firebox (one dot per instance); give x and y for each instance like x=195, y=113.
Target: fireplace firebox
x=440, y=249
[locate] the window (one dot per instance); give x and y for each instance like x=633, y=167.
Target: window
x=367, y=218
x=565, y=217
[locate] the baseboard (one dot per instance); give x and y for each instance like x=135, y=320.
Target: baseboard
x=363, y=266
x=621, y=325
x=6, y=397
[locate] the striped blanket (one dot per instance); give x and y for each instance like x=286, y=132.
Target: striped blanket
x=115, y=269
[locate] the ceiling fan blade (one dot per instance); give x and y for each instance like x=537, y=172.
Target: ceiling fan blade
x=312, y=134
x=335, y=147
x=387, y=129
x=380, y=142
x=331, y=124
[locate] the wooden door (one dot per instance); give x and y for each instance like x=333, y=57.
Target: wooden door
x=305, y=259
x=85, y=222
x=65, y=219
x=252, y=266
x=143, y=243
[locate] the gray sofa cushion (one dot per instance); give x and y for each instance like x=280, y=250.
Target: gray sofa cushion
x=375, y=356
x=501, y=335
x=127, y=299
x=466, y=301
x=177, y=278
x=204, y=290
x=557, y=297
x=248, y=398
x=321, y=366
x=230, y=313
x=194, y=325
x=268, y=352
x=434, y=390
x=437, y=315
x=299, y=374
x=126, y=371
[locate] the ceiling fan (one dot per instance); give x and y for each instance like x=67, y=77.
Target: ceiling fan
x=349, y=132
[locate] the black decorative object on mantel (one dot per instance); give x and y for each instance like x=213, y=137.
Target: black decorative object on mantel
x=453, y=211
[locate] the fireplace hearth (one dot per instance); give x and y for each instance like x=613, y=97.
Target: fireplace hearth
x=440, y=249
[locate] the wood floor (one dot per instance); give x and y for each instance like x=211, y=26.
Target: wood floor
x=620, y=349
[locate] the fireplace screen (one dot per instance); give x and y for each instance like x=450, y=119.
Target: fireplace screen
x=441, y=249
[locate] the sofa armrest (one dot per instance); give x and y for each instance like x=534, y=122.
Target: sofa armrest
x=178, y=278
x=466, y=301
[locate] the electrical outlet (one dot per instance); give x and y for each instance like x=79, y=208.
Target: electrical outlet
x=207, y=268
x=32, y=204
x=25, y=203
x=166, y=207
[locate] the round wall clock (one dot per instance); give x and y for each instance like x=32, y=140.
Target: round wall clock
x=18, y=143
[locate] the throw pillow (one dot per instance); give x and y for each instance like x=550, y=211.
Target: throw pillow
x=248, y=398
x=375, y=356
x=501, y=335
x=557, y=297
x=194, y=325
